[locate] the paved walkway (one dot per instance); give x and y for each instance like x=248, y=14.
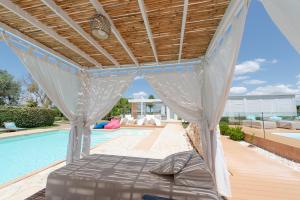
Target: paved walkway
x=256, y=177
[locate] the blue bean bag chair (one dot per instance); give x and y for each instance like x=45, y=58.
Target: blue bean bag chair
x=100, y=125
x=150, y=197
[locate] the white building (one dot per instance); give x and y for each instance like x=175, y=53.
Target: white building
x=141, y=107
x=279, y=105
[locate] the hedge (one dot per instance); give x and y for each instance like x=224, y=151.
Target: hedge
x=27, y=117
x=224, y=128
x=234, y=133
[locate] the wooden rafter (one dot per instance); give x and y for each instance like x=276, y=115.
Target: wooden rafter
x=115, y=31
x=60, y=12
x=168, y=32
x=32, y=20
x=149, y=32
x=185, y=11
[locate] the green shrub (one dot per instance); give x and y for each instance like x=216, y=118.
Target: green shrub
x=236, y=134
x=57, y=112
x=27, y=117
x=225, y=119
x=224, y=128
x=185, y=124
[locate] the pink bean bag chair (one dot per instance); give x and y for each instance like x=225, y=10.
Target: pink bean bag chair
x=113, y=124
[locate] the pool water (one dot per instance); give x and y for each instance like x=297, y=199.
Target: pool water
x=21, y=155
x=290, y=135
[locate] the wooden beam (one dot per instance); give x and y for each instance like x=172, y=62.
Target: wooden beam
x=34, y=21
x=99, y=8
x=161, y=65
x=148, y=29
x=62, y=14
x=37, y=44
x=185, y=10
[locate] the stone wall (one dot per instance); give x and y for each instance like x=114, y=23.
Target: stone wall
x=286, y=151
x=193, y=133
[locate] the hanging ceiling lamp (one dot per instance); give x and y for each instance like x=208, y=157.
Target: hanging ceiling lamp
x=100, y=26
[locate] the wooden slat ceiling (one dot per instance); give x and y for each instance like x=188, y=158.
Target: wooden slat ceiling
x=165, y=18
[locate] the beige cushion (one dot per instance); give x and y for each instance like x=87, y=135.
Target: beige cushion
x=195, y=174
x=172, y=164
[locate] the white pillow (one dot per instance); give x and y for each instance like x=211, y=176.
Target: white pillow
x=172, y=164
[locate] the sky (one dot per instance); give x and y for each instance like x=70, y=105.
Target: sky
x=267, y=63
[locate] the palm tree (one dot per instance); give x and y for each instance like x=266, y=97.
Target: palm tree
x=150, y=105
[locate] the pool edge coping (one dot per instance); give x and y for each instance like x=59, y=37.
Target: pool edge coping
x=34, y=172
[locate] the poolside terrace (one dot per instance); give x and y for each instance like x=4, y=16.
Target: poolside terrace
x=253, y=176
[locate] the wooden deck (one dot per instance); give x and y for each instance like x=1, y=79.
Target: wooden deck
x=255, y=177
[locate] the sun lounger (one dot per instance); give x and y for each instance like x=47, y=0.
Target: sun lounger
x=153, y=120
x=127, y=120
x=140, y=121
x=104, y=177
x=288, y=124
x=259, y=124
x=11, y=126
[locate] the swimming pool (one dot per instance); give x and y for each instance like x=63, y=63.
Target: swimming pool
x=21, y=155
x=290, y=135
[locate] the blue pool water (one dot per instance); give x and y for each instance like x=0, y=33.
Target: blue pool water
x=290, y=135
x=21, y=155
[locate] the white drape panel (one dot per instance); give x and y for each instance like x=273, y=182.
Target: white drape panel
x=181, y=91
x=286, y=14
x=83, y=97
x=103, y=93
x=97, y=96
x=52, y=79
x=219, y=68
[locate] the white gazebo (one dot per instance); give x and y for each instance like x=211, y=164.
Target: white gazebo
x=186, y=50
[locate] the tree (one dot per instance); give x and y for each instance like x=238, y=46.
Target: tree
x=122, y=107
x=150, y=105
x=35, y=93
x=31, y=103
x=298, y=109
x=9, y=89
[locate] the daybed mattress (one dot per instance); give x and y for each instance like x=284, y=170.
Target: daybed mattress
x=99, y=177
x=288, y=124
x=259, y=124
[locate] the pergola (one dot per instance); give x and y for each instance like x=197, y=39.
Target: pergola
x=186, y=49
x=143, y=33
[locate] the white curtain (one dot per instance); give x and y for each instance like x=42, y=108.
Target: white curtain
x=83, y=97
x=199, y=95
x=286, y=15
x=180, y=91
x=97, y=96
x=103, y=93
x=219, y=68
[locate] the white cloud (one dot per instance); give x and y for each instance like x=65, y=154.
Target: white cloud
x=273, y=89
x=139, y=95
x=249, y=66
x=254, y=82
x=274, y=61
x=240, y=78
x=260, y=60
x=238, y=90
